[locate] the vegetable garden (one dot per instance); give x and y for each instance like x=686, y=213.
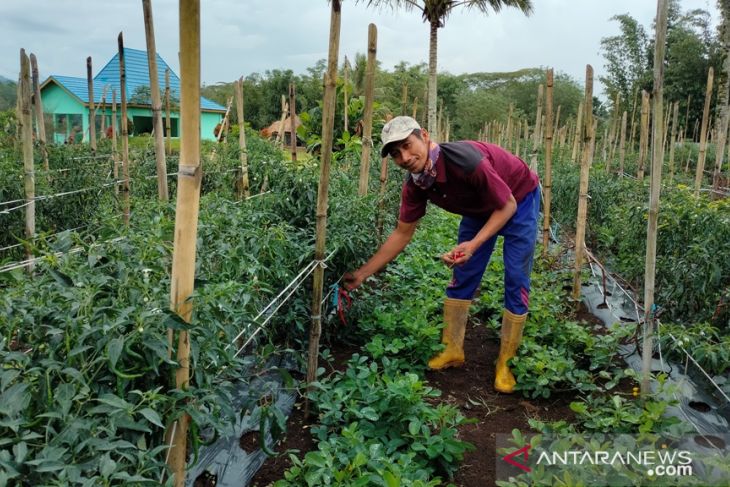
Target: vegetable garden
x=291, y=377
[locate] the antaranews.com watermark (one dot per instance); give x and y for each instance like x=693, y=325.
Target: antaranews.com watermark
x=618, y=460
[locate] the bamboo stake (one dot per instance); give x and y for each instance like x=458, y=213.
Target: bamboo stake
x=381, y=198
x=633, y=119
x=149, y=30
x=703, y=133
x=508, y=130
x=328, y=120
x=720, y=148
x=25, y=123
x=103, y=111
x=556, y=124
x=186, y=214
x=578, y=132
x=404, y=98
x=38, y=104
x=221, y=135
x=673, y=140
x=125, y=131
x=243, y=190
x=346, y=72
x=284, y=110
x=655, y=191
x=643, y=135
x=686, y=120
x=168, y=121
x=613, y=136
x=548, y=179
x=415, y=108
x=367, y=140
x=115, y=153
x=92, y=109
x=293, y=122
x=622, y=145
x=584, y=173
x=604, y=144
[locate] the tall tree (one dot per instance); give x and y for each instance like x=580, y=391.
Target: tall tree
x=435, y=12
x=627, y=57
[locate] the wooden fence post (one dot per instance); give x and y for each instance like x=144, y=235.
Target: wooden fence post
x=243, y=154
x=655, y=191
x=580, y=226
x=548, y=179
x=186, y=215
x=328, y=122
x=367, y=132
x=149, y=29
x=25, y=122
x=125, y=131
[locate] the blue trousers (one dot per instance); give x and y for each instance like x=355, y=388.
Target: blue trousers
x=520, y=236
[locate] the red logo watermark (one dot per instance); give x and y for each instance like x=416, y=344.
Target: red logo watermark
x=524, y=451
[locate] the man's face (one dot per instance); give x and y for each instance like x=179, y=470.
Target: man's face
x=411, y=153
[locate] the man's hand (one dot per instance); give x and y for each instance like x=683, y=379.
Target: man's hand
x=458, y=255
x=352, y=280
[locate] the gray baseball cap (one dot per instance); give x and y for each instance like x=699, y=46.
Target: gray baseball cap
x=396, y=130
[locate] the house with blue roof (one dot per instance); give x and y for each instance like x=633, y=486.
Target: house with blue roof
x=66, y=100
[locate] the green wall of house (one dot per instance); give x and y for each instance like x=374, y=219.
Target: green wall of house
x=71, y=116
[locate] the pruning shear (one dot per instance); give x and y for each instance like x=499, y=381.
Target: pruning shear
x=341, y=301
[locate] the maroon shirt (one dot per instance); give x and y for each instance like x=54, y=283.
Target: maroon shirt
x=472, y=179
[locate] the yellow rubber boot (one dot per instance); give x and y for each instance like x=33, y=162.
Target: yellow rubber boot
x=456, y=313
x=511, y=336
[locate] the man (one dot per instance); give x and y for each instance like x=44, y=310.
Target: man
x=496, y=194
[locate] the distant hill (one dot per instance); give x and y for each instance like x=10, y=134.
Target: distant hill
x=7, y=93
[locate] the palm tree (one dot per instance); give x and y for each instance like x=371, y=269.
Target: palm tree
x=435, y=12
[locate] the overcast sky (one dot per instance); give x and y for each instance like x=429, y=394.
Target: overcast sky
x=240, y=37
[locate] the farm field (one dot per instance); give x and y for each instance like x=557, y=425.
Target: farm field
x=180, y=303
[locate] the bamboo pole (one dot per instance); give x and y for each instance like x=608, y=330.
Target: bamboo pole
x=186, y=214
x=580, y=227
x=381, y=198
x=721, y=142
x=415, y=108
x=654, y=194
x=367, y=135
x=686, y=120
x=293, y=121
x=38, y=105
x=103, y=111
x=673, y=140
x=548, y=178
x=703, y=133
x=328, y=121
x=404, y=98
x=578, y=132
x=508, y=130
x=643, y=135
x=92, y=109
x=168, y=120
x=221, y=135
x=346, y=72
x=556, y=124
x=125, y=131
x=243, y=189
x=622, y=145
x=633, y=119
x=25, y=123
x=613, y=136
x=149, y=30
x=115, y=153
x=284, y=111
